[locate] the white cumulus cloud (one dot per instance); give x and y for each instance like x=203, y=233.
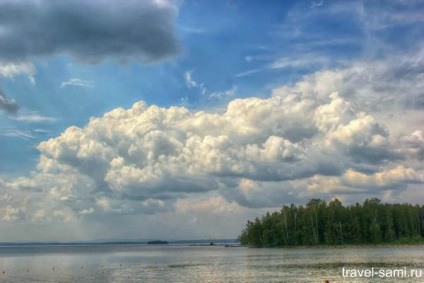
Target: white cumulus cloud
x=315, y=138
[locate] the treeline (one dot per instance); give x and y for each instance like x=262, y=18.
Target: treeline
x=322, y=223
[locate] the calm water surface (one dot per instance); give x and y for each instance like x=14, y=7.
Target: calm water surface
x=141, y=263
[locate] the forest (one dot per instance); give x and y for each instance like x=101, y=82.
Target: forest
x=322, y=223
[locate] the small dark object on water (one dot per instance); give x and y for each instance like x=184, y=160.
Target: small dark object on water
x=211, y=244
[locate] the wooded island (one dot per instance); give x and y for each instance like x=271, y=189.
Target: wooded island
x=322, y=223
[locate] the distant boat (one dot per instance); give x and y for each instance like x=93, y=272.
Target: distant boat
x=157, y=242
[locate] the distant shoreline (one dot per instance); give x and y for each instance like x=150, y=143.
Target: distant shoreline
x=218, y=242
x=345, y=246
x=231, y=245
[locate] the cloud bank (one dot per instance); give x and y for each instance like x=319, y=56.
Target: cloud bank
x=87, y=30
x=303, y=141
x=316, y=138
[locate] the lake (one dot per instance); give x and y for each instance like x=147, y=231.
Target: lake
x=182, y=263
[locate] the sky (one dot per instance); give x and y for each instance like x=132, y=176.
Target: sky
x=160, y=119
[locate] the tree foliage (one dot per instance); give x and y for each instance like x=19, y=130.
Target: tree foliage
x=322, y=223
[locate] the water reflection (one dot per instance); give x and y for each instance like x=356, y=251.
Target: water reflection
x=197, y=264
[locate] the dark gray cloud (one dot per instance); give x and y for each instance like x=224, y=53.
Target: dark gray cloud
x=6, y=104
x=87, y=30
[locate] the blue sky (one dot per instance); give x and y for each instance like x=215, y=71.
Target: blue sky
x=277, y=102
